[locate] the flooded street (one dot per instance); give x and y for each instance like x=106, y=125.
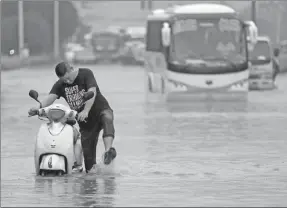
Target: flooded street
x=164, y=159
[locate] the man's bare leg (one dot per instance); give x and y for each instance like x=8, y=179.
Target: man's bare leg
x=108, y=142
x=78, y=151
x=110, y=152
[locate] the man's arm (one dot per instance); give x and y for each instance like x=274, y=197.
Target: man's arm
x=49, y=100
x=91, y=86
x=54, y=94
x=90, y=102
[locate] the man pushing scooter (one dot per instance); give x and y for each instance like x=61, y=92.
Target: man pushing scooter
x=94, y=115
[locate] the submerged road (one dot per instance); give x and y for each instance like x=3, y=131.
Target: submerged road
x=164, y=159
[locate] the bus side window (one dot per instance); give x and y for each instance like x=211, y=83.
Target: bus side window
x=153, y=36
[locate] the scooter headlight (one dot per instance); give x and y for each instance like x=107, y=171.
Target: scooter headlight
x=56, y=114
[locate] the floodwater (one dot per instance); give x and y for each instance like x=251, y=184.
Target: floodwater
x=191, y=158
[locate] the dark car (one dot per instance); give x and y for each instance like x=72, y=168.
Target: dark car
x=134, y=46
x=107, y=45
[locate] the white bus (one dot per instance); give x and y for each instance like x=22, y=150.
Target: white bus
x=198, y=49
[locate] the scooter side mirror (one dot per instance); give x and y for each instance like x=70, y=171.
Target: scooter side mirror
x=34, y=94
x=88, y=95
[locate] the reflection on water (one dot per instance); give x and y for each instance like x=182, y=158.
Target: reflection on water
x=79, y=191
x=192, y=103
x=97, y=192
x=209, y=106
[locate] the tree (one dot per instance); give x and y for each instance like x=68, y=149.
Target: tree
x=9, y=9
x=68, y=16
x=43, y=13
x=69, y=20
x=9, y=37
x=36, y=33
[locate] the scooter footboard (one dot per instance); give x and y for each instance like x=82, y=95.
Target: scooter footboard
x=53, y=162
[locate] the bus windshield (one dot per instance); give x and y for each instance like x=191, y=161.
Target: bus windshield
x=207, y=39
x=260, y=53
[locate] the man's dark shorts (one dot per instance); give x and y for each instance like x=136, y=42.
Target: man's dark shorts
x=89, y=136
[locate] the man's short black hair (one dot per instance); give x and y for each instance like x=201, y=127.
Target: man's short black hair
x=61, y=69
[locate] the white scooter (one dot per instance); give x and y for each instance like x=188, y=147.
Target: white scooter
x=54, y=148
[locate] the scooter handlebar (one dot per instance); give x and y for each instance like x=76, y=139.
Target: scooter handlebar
x=35, y=113
x=40, y=112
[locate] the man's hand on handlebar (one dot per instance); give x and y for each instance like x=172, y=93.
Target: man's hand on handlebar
x=82, y=116
x=33, y=111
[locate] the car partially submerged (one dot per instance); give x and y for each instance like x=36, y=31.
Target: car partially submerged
x=134, y=49
x=82, y=53
x=263, y=69
x=107, y=45
x=84, y=56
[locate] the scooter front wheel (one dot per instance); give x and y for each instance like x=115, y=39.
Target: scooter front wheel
x=60, y=173
x=42, y=173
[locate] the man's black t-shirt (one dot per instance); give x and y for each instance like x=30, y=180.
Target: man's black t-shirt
x=73, y=94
